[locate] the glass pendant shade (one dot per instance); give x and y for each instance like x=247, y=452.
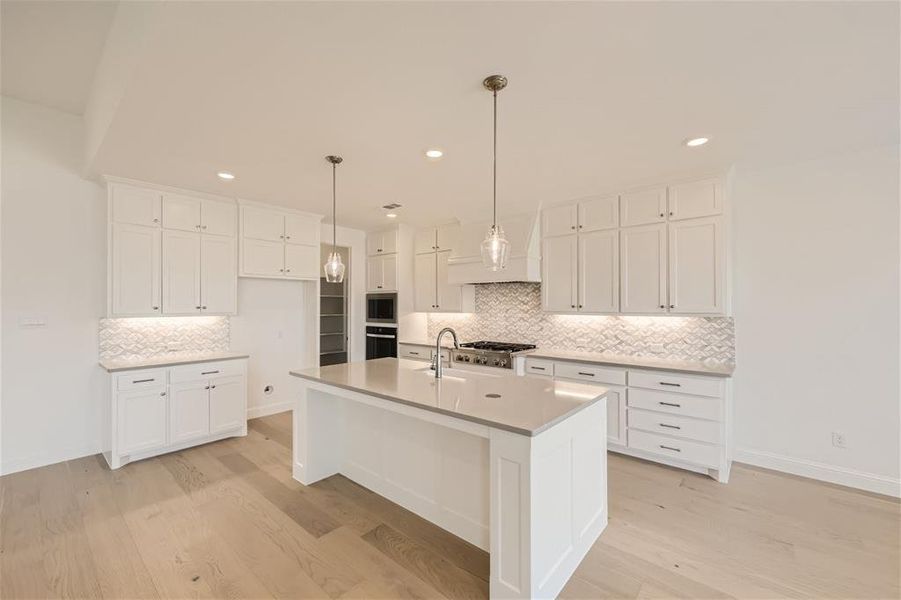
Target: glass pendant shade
x=495, y=249
x=334, y=268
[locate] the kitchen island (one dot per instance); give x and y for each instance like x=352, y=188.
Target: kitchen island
x=514, y=465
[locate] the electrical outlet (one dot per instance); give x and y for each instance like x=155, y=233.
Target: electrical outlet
x=838, y=439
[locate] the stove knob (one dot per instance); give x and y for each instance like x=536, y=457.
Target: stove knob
x=502, y=362
x=496, y=362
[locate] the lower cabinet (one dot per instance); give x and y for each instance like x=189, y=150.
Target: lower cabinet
x=152, y=412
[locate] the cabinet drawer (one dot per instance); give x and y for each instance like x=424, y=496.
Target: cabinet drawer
x=685, y=384
x=590, y=373
x=539, y=366
x=683, y=427
x=208, y=370
x=135, y=380
x=693, y=452
x=414, y=352
x=676, y=404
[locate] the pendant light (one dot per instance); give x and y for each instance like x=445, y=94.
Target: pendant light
x=495, y=247
x=334, y=267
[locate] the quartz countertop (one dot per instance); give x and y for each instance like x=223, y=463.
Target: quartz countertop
x=524, y=405
x=168, y=360
x=641, y=362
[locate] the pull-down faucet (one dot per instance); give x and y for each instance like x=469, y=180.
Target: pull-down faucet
x=438, y=349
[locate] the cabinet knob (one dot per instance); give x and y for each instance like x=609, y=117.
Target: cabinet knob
x=203, y=226
x=203, y=307
x=580, y=306
x=670, y=213
x=572, y=305
x=572, y=226
x=662, y=215
x=662, y=306
x=287, y=237
x=287, y=270
x=212, y=387
x=156, y=308
x=162, y=393
x=281, y=270
x=281, y=237
x=197, y=307
x=197, y=227
x=207, y=387
x=156, y=220
x=672, y=306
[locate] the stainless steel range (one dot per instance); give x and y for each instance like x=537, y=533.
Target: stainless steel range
x=489, y=354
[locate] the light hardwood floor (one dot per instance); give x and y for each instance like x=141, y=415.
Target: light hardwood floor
x=227, y=520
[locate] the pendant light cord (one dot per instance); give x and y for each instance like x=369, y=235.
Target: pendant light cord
x=494, y=174
x=334, y=209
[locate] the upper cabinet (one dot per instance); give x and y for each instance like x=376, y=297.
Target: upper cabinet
x=443, y=237
x=135, y=205
x=278, y=243
x=200, y=215
x=381, y=273
x=658, y=250
x=134, y=271
x=381, y=242
x=432, y=290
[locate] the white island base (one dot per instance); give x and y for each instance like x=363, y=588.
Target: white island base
x=537, y=503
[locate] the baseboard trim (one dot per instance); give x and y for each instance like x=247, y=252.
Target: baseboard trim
x=269, y=409
x=33, y=462
x=861, y=480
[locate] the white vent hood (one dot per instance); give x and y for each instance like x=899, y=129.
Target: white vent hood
x=524, y=264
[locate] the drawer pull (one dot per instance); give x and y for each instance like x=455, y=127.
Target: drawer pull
x=586, y=374
x=670, y=404
x=534, y=368
x=209, y=372
x=144, y=380
x=669, y=426
x=671, y=384
x=670, y=448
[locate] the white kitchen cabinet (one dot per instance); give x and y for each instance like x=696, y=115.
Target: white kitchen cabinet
x=261, y=258
x=218, y=275
x=451, y=297
x=642, y=207
x=142, y=414
x=425, y=240
x=431, y=290
x=696, y=270
x=598, y=272
x=643, y=269
x=189, y=410
x=218, y=217
x=135, y=205
x=598, y=213
x=181, y=212
x=559, y=281
x=302, y=262
x=181, y=273
x=135, y=270
x=262, y=224
x=278, y=244
x=425, y=276
x=447, y=237
x=616, y=414
x=381, y=242
x=381, y=273
x=559, y=220
x=301, y=230
x=694, y=199
x=227, y=403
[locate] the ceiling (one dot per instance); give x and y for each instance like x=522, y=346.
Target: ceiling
x=600, y=96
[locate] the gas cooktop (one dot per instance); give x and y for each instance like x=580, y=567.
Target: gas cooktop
x=498, y=346
x=489, y=354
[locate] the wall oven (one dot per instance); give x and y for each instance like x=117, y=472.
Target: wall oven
x=381, y=342
x=381, y=308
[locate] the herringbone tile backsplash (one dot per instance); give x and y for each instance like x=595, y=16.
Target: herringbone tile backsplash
x=511, y=312
x=146, y=338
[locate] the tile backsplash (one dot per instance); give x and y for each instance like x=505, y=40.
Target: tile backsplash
x=155, y=336
x=511, y=312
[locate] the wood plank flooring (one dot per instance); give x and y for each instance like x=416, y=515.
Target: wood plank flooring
x=226, y=520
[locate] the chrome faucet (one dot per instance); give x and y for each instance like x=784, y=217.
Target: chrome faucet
x=438, y=349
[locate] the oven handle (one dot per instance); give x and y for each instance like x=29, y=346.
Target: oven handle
x=382, y=335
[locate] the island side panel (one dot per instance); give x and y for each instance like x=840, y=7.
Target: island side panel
x=318, y=434
x=548, y=504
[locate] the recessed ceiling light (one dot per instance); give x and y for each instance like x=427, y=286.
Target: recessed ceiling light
x=391, y=215
x=699, y=141
x=225, y=175
x=434, y=153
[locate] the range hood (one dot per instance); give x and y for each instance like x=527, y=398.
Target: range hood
x=464, y=265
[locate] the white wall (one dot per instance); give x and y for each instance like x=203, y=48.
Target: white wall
x=816, y=300
x=53, y=269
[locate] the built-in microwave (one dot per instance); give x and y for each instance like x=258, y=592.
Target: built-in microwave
x=381, y=308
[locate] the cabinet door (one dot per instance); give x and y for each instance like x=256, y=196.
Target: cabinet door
x=218, y=274
x=302, y=262
x=642, y=207
x=447, y=236
x=375, y=280
x=141, y=420
x=301, y=230
x=599, y=271
x=389, y=241
x=374, y=243
x=189, y=410
x=449, y=297
x=181, y=212
x=558, y=220
x=263, y=258
x=136, y=206
x=135, y=277
x=558, y=278
x=425, y=240
x=389, y=273
x=218, y=218
x=696, y=259
x=424, y=282
x=599, y=213
x=695, y=199
x=181, y=273
x=643, y=269
x=616, y=415
x=263, y=224
x=228, y=396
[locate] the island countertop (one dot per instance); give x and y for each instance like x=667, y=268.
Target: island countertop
x=522, y=405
